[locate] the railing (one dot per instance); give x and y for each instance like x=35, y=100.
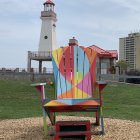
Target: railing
x=115, y=78
x=40, y=54
x=25, y=70
x=48, y=14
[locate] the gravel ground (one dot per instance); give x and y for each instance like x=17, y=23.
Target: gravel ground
x=31, y=129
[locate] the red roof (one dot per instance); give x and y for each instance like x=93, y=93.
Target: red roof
x=105, y=53
x=114, y=53
x=49, y=2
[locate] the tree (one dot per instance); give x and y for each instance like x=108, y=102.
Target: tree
x=122, y=64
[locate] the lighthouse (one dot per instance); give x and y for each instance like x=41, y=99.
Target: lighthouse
x=48, y=29
x=47, y=41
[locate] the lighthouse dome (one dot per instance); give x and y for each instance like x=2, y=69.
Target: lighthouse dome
x=49, y=2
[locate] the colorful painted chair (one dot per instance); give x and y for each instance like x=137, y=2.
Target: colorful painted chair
x=76, y=88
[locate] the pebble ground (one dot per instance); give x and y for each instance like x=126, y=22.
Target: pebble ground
x=32, y=129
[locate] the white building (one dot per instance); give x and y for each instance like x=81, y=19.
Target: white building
x=129, y=50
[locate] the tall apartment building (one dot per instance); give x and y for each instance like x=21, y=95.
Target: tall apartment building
x=129, y=50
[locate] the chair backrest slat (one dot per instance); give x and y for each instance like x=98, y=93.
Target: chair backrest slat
x=74, y=72
x=65, y=70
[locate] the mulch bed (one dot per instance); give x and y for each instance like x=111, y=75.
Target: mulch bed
x=32, y=129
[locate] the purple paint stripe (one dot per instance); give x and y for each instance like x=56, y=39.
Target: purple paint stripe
x=86, y=82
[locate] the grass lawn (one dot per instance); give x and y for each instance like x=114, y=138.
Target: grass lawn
x=122, y=101
x=19, y=100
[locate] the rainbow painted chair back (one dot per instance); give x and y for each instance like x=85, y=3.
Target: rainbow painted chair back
x=74, y=73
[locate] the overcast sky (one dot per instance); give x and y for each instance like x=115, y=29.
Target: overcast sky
x=92, y=22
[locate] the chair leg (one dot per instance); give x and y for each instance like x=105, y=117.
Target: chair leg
x=102, y=121
x=97, y=118
x=56, y=137
x=45, y=122
x=54, y=118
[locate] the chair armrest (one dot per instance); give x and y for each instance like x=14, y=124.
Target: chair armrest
x=101, y=85
x=38, y=84
x=41, y=89
x=101, y=82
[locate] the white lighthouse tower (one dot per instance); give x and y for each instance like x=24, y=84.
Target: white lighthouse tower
x=48, y=31
x=47, y=41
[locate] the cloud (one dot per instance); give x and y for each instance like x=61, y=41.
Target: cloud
x=109, y=16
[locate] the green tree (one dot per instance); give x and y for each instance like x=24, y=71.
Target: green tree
x=122, y=64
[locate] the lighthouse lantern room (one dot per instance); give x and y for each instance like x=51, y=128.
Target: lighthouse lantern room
x=49, y=6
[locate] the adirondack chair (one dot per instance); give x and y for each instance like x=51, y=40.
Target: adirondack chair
x=76, y=88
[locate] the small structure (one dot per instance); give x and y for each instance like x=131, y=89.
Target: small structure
x=73, y=42
x=47, y=37
x=106, y=59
